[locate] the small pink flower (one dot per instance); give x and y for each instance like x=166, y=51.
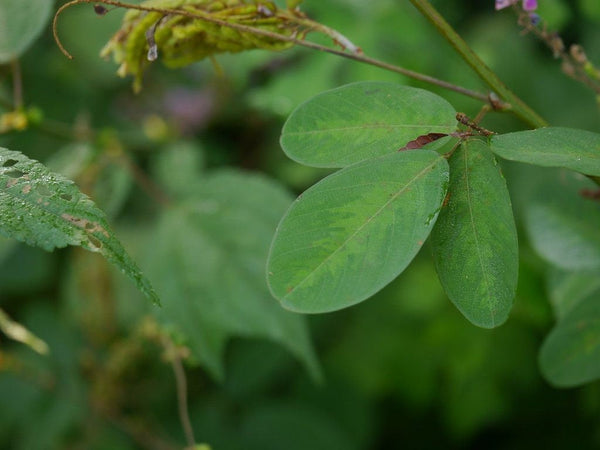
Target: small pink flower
x=528, y=5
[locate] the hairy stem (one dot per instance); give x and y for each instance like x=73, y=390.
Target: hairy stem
x=518, y=107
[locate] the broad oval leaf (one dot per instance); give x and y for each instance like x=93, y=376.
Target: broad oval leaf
x=207, y=260
x=361, y=121
x=573, y=149
x=44, y=209
x=563, y=225
x=570, y=355
x=21, y=22
x=353, y=232
x=475, y=239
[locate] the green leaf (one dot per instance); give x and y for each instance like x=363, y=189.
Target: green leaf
x=567, y=289
x=44, y=209
x=21, y=22
x=207, y=262
x=353, y=232
x=361, y=121
x=474, y=241
x=570, y=355
x=590, y=9
x=563, y=226
x=577, y=150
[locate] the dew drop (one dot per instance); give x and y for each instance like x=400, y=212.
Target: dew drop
x=153, y=53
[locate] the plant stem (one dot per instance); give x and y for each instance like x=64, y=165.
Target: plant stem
x=356, y=56
x=181, y=383
x=401, y=70
x=17, y=84
x=519, y=108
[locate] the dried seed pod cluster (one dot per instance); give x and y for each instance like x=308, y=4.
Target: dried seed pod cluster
x=180, y=32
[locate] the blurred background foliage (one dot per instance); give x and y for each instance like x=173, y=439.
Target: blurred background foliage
x=401, y=370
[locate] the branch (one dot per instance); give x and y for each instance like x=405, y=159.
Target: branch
x=518, y=107
x=354, y=54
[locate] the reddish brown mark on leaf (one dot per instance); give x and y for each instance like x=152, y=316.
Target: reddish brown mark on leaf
x=446, y=200
x=423, y=140
x=592, y=194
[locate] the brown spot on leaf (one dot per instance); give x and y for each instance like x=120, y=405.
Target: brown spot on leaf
x=26, y=189
x=423, y=140
x=87, y=225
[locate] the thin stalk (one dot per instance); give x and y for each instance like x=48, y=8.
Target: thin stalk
x=353, y=55
x=182, y=401
x=17, y=84
x=518, y=106
x=181, y=384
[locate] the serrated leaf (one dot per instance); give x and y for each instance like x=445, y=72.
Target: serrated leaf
x=353, y=232
x=21, y=22
x=570, y=355
x=475, y=240
x=573, y=149
x=207, y=261
x=361, y=121
x=563, y=226
x=44, y=209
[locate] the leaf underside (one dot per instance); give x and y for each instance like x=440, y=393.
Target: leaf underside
x=570, y=355
x=563, y=225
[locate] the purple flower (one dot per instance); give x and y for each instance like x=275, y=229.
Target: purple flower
x=528, y=5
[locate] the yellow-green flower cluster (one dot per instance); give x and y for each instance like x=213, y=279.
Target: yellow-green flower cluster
x=184, y=37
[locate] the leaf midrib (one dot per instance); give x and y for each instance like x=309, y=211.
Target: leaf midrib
x=476, y=237
x=371, y=126
x=368, y=221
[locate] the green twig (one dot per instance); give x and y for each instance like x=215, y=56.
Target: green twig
x=518, y=107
